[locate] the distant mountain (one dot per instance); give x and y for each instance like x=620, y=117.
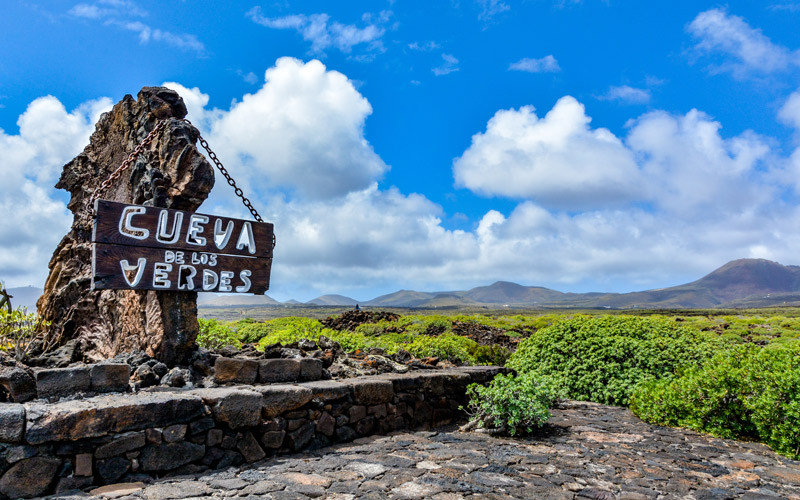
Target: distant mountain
x=739, y=283
x=332, y=300
x=233, y=300
x=504, y=292
x=25, y=296
x=402, y=298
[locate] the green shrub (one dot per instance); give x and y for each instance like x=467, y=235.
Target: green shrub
x=447, y=346
x=490, y=355
x=281, y=330
x=513, y=405
x=747, y=392
x=214, y=335
x=20, y=332
x=370, y=329
x=425, y=325
x=602, y=359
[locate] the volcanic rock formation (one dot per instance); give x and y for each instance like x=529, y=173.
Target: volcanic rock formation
x=171, y=173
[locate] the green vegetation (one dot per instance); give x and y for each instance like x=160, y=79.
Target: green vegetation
x=729, y=373
x=604, y=358
x=21, y=332
x=513, y=405
x=213, y=334
x=747, y=392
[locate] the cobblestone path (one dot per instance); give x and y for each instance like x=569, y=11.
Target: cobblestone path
x=588, y=451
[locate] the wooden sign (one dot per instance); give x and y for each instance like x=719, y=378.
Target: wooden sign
x=147, y=248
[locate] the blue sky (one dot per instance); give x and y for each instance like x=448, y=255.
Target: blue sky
x=581, y=145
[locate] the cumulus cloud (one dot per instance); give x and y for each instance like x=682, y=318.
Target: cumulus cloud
x=743, y=49
x=680, y=163
x=324, y=33
x=303, y=129
x=790, y=111
x=546, y=64
x=627, y=94
x=34, y=218
x=557, y=160
x=692, y=170
x=688, y=197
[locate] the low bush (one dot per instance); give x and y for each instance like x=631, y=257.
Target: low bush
x=513, y=405
x=281, y=330
x=604, y=358
x=446, y=346
x=491, y=355
x=214, y=335
x=21, y=333
x=747, y=392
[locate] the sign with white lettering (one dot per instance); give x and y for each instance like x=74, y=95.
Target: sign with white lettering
x=147, y=248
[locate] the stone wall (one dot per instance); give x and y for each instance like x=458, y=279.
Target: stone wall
x=109, y=438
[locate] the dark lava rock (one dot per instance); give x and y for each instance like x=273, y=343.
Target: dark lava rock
x=29, y=478
x=163, y=457
x=111, y=470
x=110, y=377
x=307, y=345
x=16, y=384
x=177, y=377
x=57, y=382
x=352, y=319
x=144, y=376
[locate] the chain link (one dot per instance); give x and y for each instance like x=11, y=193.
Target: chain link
x=231, y=182
x=146, y=142
x=125, y=164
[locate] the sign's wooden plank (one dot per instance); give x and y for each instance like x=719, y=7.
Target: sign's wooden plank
x=141, y=226
x=142, y=268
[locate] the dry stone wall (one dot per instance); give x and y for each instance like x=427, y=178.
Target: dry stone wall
x=109, y=438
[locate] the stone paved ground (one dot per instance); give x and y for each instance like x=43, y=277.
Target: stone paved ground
x=588, y=451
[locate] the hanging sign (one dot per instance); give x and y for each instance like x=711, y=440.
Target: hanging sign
x=147, y=248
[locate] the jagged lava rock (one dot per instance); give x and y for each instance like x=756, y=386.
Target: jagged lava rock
x=171, y=173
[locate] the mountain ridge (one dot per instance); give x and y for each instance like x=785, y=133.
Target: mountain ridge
x=738, y=283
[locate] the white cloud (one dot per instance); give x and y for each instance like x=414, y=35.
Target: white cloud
x=744, y=48
x=680, y=164
x=627, y=94
x=556, y=160
x=787, y=7
x=696, y=198
x=34, y=218
x=324, y=33
x=790, y=111
x=424, y=47
x=146, y=34
x=118, y=13
x=789, y=114
x=491, y=8
x=107, y=8
x=303, y=129
x=692, y=170
x=546, y=64
x=449, y=65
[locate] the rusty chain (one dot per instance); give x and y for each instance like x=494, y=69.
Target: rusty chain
x=146, y=142
x=125, y=164
x=224, y=172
